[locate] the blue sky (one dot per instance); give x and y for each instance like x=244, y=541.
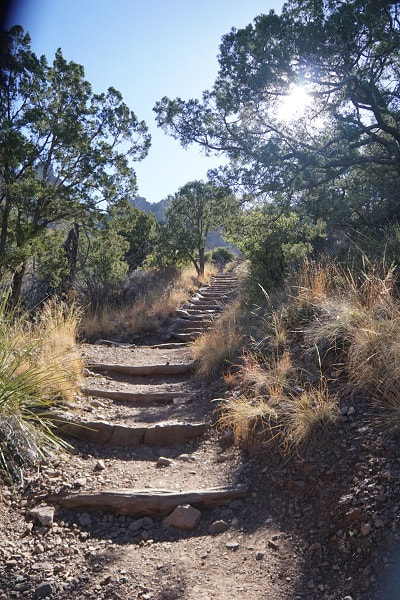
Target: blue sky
x=146, y=49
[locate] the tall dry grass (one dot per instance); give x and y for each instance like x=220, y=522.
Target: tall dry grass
x=39, y=366
x=220, y=345
x=154, y=301
x=331, y=316
x=290, y=421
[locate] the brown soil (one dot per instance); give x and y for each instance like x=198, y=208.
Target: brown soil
x=310, y=528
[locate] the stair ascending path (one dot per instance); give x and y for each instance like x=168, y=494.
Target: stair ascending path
x=131, y=410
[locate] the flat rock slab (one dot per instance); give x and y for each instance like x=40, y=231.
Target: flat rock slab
x=147, y=502
x=144, y=370
x=161, y=434
x=187, y=336
x=205, y=306
x=138, y=397
x=167, y=345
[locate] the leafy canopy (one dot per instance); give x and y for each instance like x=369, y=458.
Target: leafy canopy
x=345, y=55
x=193, y=211
x=63, y=149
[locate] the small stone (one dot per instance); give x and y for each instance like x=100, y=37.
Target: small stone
x=184, y=516
x=218, y=526
x=227, y=439
x=79, y=483
x=23, y=586
x=44, y=514
x=179, y=401
x=366, y=529
x=354, y=514
x=260, y=555
x=222, y=458
x=95, y=403
x=45, y=589
x=38, y=549
x=85, y=519
x=351, y=411
x=10, y=564
x=314, y=547
x=162, y=461
x=344, y=410
x=232, y=546
x=185, y=458
x=142, y=523
x=273, y=545
x=100, y=465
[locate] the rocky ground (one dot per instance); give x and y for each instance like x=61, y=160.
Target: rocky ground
x=324, y=524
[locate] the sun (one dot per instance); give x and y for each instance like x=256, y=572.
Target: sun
x=294, y=104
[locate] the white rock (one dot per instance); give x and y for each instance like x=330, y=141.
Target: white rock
x=44, y=514
x=184, y=516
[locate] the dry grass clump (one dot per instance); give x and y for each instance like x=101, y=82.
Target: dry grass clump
x=156, y=297
x=259, y=374
x=316, y=280
x=57, y=328
x=220, y=345
x=333, y=317
x=39, y=366
x=250, y=420
x=288, y=420
x=309, y=415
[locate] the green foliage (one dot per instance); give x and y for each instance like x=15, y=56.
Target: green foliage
x=196, y=209
x=273, y=242
x=343, y=53
x=102, y=265
x=50, y=265
x=221, y=255
x=137, y=227
x=63, y=149
x=339, y=160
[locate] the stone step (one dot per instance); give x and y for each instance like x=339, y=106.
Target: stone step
x=213, y=294
x=202, y=312
x=144, y=370
x=205, y=306
x=137, y=397
x=200, y=299
x=191, y=325
x=159, y=434
x=224, y=280
x=188, y=337
x=193, y=319
x=195, y=330
x=167, y=345
x=148, y=502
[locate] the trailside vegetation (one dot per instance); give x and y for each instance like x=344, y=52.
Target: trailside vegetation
x=63, y=151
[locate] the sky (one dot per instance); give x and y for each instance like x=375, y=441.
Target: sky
x=146, y=49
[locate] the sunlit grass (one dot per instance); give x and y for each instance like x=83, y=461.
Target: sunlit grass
x=155, y=300
x=39, y=367
x=219, y=346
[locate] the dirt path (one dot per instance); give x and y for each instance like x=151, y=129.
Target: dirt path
x=157, y=439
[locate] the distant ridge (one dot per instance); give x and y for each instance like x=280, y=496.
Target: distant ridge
x=157, y=208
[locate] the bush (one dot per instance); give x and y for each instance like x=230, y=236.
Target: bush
x=222, y=255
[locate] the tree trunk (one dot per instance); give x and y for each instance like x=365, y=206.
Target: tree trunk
x=201, y=261
x=16, y=285
x=4, y=225
x=71, y=250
